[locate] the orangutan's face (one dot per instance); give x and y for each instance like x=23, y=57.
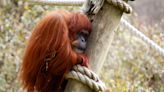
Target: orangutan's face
x=79, y=44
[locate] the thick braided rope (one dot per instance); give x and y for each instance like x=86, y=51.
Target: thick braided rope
x=121, y=5
x=86, y=71
x=142, y=36
x=87, y=77
x=118, y=3
x=59, y=2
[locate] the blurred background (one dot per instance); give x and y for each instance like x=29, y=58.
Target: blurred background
x=131, y=65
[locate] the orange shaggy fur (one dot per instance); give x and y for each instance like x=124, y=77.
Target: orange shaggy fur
x=53, y=34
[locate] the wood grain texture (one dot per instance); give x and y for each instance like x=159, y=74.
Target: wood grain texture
x=104, y=24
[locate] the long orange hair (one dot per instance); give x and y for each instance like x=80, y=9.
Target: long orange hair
x=51, y=38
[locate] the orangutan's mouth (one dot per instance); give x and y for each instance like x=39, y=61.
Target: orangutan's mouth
x=79, y=49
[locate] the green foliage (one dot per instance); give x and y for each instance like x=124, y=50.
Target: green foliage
x=131, y=65
x=17, y=22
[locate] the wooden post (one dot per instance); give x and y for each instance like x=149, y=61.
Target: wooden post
x=104, y=24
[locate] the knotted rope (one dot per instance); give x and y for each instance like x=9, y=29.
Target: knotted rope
x=122, y=5
x=87, y=77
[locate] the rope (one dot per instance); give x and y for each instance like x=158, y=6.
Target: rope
x=122, y=5
x=143, y=37
x=59, y=2
x=86, y=71
x=87, y=77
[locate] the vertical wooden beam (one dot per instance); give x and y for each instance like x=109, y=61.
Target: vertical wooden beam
x=104, y=24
